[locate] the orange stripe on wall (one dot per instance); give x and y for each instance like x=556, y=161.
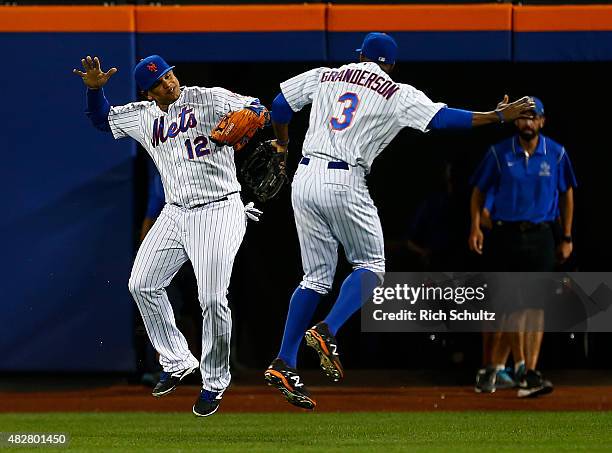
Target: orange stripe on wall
x=262, y=18
x=563, y=18
x=186, y=19
x=419, y=17
x=67, y=19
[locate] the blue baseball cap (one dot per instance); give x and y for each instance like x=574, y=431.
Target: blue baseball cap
x=539, y=106
x=149, y=70
x=379, y=47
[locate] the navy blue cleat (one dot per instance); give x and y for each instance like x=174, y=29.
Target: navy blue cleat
x=168, y=381
x=207, y=403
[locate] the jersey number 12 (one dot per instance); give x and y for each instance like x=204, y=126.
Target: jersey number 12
x=345, y=120
x=200, y=147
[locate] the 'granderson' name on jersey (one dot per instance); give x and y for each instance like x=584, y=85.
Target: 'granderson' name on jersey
x=175, y=127
x=383, y=86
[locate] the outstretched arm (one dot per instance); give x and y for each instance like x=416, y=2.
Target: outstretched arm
x=94, y=79
x=449, y=118
x=506, y=112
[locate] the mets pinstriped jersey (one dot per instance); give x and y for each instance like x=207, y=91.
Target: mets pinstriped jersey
x=194, y=171
x=357, y=109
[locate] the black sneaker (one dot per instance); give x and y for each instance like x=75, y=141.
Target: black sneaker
x=485, y=380
x=533, y=385
x=289, y=382
x=207, y=403
x=321, y=340
x=168, y=381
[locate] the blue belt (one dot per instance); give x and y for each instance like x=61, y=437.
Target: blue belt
x=331, y=165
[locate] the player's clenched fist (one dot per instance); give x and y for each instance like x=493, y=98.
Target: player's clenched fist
x=94, y=77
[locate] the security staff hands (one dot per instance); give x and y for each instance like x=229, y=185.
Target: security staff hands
x=521, y=108
x=564, y=250
x=476, y=240
x=94, y=77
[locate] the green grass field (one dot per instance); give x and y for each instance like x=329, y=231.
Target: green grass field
x=324, y=432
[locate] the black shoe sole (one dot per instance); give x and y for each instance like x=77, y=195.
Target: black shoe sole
x=533, y=393
x=298, y=400
x=164, y=393
x=483, y=390
x=197, y=414
x=329, y=367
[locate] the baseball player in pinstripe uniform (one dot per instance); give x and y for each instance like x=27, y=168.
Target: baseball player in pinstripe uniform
x=203, y=220
x=357, y=109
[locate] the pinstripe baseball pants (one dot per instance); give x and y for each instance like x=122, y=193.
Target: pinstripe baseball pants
x=331, y=207
x=209, y=237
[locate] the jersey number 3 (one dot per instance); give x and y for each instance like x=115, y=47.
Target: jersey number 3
x=339, y=124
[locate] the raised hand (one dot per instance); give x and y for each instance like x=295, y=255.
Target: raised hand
x=94, y=77
x=503, y=102
x=522, y=108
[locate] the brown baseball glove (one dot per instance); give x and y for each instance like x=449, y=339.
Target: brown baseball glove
x=237, y=128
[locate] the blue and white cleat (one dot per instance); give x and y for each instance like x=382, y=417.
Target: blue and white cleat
x=207, y=403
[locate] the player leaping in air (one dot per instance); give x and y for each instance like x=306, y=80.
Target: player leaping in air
x=203, y=219
x=357, y=109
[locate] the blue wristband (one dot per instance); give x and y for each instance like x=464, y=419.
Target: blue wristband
x=500, y=116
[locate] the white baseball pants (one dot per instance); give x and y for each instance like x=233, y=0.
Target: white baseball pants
x=209, y=237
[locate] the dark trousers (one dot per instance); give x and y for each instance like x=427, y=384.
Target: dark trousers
x=520, y=247
x=516, y=250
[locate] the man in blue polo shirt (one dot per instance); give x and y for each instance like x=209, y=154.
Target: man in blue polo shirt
x=533, y=182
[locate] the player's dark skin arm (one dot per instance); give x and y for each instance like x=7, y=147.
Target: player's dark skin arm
x=566, y=206
x=522, y=108
x=476, y=239
x=281, y=132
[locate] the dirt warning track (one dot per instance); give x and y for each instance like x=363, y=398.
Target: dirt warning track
x=123, y=398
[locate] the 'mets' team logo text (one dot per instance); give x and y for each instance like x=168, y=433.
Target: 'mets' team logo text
x=186, y=120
